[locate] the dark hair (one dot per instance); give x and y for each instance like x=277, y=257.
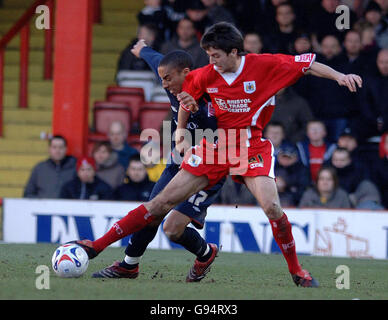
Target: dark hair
x=287, y=3
x=58, y=137
x=100, y=144
x=333, y=173
x=135, y=157
x=223, y=36
x=340, y=149
x=152, y=27
x=177, y=59
x=276, y=124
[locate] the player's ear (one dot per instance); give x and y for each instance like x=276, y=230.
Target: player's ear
x=186, y=71
x=234, y=52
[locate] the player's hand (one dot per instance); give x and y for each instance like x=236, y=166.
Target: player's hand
x=137, y=47
x=188, y=101
x=181, y=144
x=351, y=81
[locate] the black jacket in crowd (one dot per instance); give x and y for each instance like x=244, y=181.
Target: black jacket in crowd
x=134, y=191
x=97, y=190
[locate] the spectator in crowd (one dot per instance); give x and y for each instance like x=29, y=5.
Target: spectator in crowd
x=353, y=178
x=274, y=131
x=352, y=58
x=348, y=141
x=235, y=193
x=293, y=176
x=326, y=193
x=302, y=44
x=323, y=21
x=373, y=115
x=282, y=40
x=48, y=177
x=128, y=61
x=186, y=40
x=118, y=141
x=293, y=112
x=197, y=13
x=136, y=186
x=329, y=102
x=86, y=185
x=217, y=13
x=155, y=164
x=384, y=7
x=253, y=43
x=108, y=168
x=374, y=15
x=315, y=150
x=154, y=13
x=380, y=170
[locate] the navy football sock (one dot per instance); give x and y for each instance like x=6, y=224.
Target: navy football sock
x=139, y=241
x=192, y=241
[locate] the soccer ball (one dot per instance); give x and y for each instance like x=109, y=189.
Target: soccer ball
x=70, y=261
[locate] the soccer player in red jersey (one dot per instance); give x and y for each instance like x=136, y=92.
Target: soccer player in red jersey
x=242, y=89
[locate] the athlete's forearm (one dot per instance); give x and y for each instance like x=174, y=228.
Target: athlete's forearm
x=321, y=70
x=352, y=81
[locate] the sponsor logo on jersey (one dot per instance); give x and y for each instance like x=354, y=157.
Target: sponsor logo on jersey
x=212, y=90
x=237, y=105
x=249, y=86
x=307, y=57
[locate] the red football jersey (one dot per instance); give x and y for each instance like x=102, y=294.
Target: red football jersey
x=246, y=98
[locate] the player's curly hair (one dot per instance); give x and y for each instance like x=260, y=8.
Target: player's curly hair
x=224, y=36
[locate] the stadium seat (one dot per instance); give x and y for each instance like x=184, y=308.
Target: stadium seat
x=152, y=115
x=132, y=96
x=105, y=112
x=136, y=79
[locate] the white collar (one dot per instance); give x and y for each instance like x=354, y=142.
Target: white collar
x=229, y=77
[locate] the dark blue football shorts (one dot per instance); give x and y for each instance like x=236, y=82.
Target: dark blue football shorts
x=196, y=206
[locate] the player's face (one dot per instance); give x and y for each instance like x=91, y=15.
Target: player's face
x=224, y=62
x=172, y=78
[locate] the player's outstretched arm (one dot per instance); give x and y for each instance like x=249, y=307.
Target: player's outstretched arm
x=349, y=80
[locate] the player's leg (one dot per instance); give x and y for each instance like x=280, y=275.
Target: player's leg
x=265, y=192
x=180, y=188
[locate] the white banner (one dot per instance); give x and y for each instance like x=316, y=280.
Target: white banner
x=340, y=233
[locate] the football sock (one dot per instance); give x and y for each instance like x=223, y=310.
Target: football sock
x=134, y=221
x=192, y=241
x=130, y=263
x=281, y=229
x=139, y=241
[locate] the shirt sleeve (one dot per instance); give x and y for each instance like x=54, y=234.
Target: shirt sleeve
x=194, y=84
x=284, y=70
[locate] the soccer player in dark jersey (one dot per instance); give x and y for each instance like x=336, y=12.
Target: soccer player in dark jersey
x=242, y=89
x=171, y=70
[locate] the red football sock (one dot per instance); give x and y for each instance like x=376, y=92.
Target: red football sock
x=281, y=229
x=134, y=221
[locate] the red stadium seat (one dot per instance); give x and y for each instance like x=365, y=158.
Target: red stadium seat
x=132, y=96
x=152, y=115
x=105, y=112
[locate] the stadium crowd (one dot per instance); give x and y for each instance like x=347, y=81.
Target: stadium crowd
x=331, y=146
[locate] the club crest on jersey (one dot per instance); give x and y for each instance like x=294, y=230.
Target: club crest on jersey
x=194, y=160
x=249, y=86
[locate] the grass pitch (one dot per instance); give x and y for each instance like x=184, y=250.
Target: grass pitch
x=162, y=277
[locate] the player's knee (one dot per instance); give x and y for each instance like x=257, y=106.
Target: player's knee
x=272, y=210
x=172, y=231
